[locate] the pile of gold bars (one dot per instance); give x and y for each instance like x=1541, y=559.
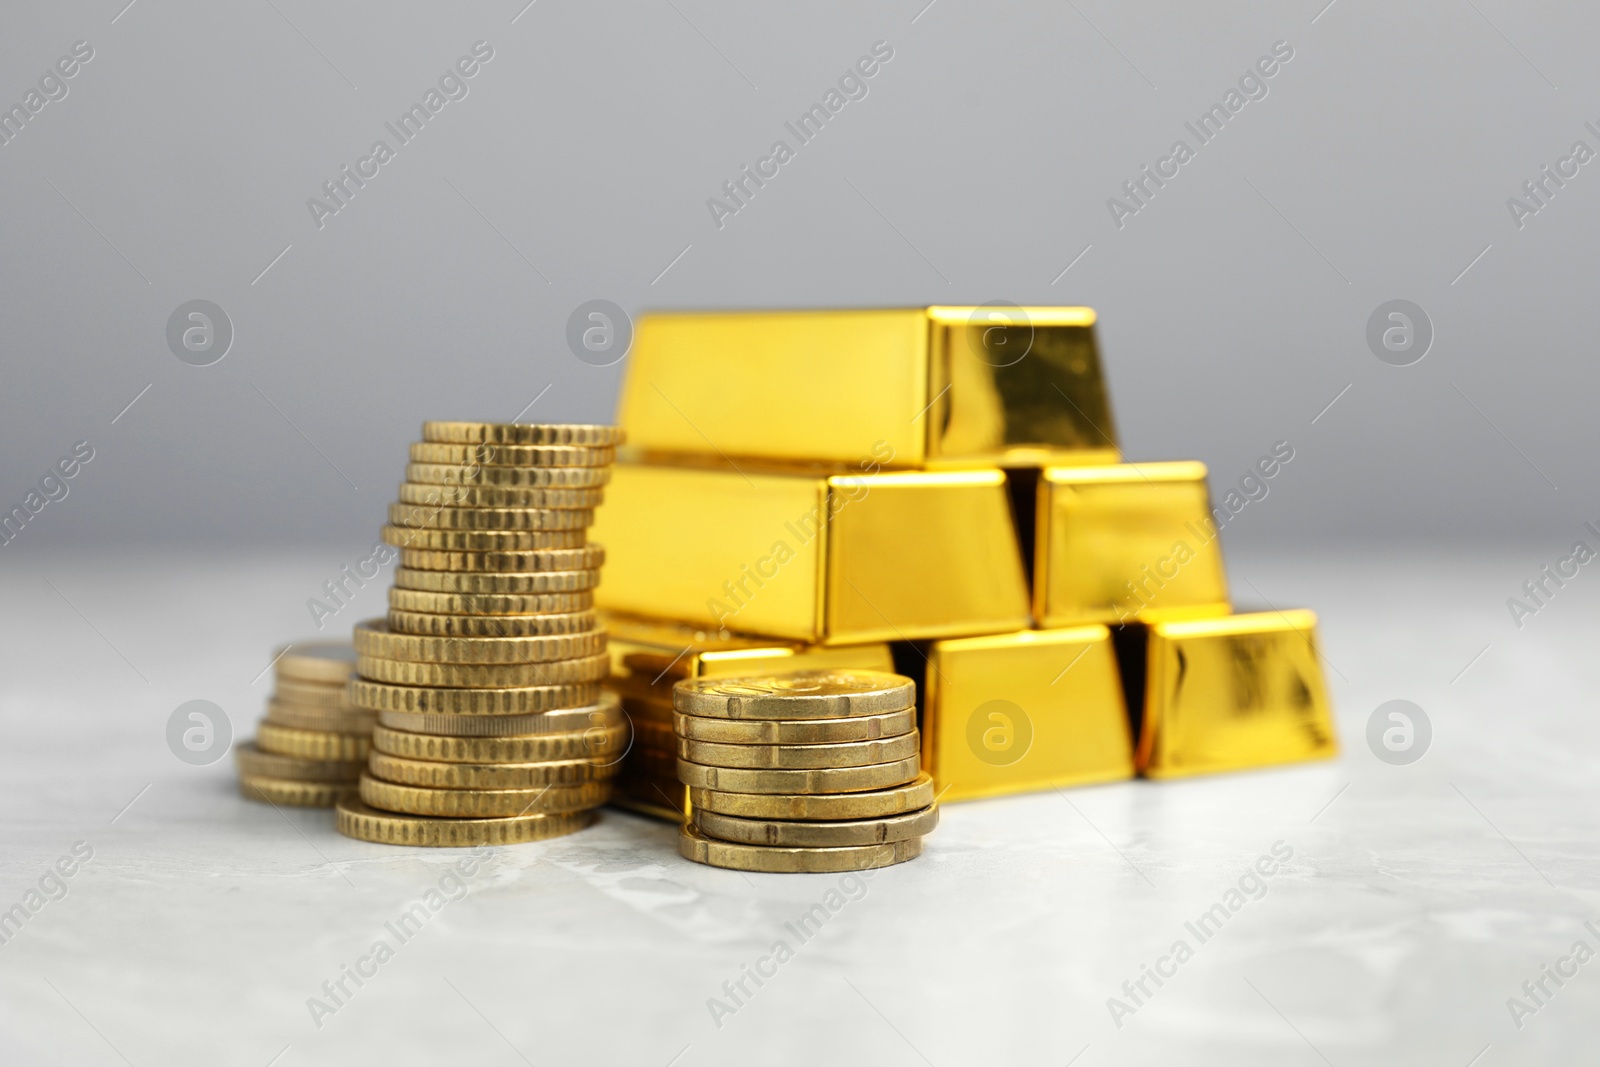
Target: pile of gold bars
x=811, y=771
x=492, y=728
x=938, y=492
x=311, y=747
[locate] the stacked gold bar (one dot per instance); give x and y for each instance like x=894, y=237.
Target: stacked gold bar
x=311, y=747
x=814, y=771
x=492, y=727
x=947, y=480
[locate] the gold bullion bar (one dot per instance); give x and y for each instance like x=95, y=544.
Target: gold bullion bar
x=587, y=435
x=817, y=834
x=660, y=652
x=485, y=540
x=830, y=807
x=1127, y=542
x=413, y=622
x=359, y=820
x=830, y=560
x=773, y=859
x=483, y=675
x=374, y=638
x=588, y=557
x=1231, y=693
x=312, y=744
x=478, y=803
x=439, y=774
x=289, y=792
x=828, y=780
x=800, y=757
x=590, y=742
x=385, y=697
x=925, y=387
x=1016, y=713
x=808, y=732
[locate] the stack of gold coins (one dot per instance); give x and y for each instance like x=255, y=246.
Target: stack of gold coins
x=310, y=749
x=810, y=771
x=492, y=728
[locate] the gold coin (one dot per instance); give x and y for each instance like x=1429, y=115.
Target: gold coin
x=470, y=803
x=519, y=433
x=340, y=720
x=373, y=638
x=592, y=742
x=293, y=794
x=484, y=675
x=795, y=732
x=253, y=763
x=448, y=499
x=577, y=476
x=558, y=511
x=486, y=540
x=588, y=557
x=567, y=720
x=436, y=700
x=328, y=662
x=837, y=807
x=411, y=622
x=358, y=820
x=779, y=860
x=497, y=455
x=825, y=780
x=531, y=582
x=837, y=694
x=311, y=744
x=421, y=602
x=799, y=757
x=312, y=694
x=817, y=834
x=438, y=774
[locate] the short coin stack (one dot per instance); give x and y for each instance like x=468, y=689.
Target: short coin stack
x=492, y=728
x=810, y=771
x=310, y=749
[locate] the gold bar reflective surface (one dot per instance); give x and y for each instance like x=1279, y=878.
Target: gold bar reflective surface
x=649, y=656
x=914, y=388
x=1231, y=693
x=1126, y=542
x=1013, y=713
x=813, y=558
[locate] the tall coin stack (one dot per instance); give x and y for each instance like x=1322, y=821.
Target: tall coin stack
x=310, y=749
x=485, y=675
x=812, y=771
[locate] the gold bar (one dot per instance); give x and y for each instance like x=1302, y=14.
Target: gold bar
x=1019, y=712
x=1231, y=693
x=813, y=558
x=1127, y=542
x=914, y=388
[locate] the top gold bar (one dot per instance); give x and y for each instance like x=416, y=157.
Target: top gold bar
x=932, y=388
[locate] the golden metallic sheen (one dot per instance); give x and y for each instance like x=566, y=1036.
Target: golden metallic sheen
x=774, y=859
x=363, y=822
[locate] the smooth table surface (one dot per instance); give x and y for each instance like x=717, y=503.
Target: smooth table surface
x=1418, y=898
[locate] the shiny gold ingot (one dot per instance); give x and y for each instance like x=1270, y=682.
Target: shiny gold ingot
x=1128, y=542
x=910, y=388
x=363, y=822
x=1019, y=712
x=1231, y=693
x=830, y=560
x=652, y=649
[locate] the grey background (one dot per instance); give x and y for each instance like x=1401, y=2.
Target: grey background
x=978, y=167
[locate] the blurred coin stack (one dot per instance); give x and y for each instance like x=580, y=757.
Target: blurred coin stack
x=310, y=749
x=943, y=486
x=492, y=728
x=810, y=771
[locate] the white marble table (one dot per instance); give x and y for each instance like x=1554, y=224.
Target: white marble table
x=1417, y=900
